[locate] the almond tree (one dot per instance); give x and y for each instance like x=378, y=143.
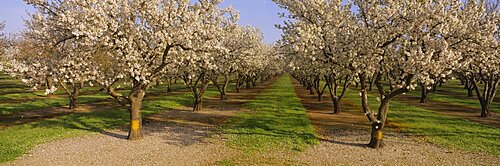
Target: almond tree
x=239, y=42
x=315, y=35
x=256, y=64
x=142, y=37
x=478, y=41
x=37, y=65
x=405, y=40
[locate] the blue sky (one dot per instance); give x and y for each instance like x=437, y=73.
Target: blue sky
x=259, y=13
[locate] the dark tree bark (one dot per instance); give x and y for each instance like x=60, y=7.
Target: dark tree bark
x=470, y=88
x=378, y=122
x=73, y=93
x=222, y=88
x=198, y=88
x=169, y=85
x=73, y=101
x=198, y=103
x=248, y=84
x=424, y=96
x=317, y=87
x=333, y=89
x=489, y=92
x=239, y=81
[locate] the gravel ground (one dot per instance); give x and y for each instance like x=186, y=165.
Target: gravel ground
x=349, y=149
x=177, y=144
x=164, y=144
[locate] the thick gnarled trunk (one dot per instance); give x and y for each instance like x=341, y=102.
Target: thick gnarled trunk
x=135, y=109
x=378, y=121
x=135, y=98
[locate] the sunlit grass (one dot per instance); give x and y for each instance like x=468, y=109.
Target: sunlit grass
x=443, y=130
x=17, y=140
x=276, y=119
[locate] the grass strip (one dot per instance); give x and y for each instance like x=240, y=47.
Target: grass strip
x=275, y=119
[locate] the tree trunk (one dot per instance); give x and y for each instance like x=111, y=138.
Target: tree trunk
x=238, y=84
x=371, y=86
x=135, y=128
x=72, y=101
x=198, y=103
x=73, y=94
x=223, y=92
x=248, y=84
x=424, y=97
x=169, y=88
x=485, y=111
x=470, y=90
x=169, y=85
x=489, y=92
x=376, y=139
x=49, y=84
x=336, y=106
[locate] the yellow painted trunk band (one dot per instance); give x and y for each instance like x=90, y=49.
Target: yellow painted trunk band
x=379, y=135
x=135, y=124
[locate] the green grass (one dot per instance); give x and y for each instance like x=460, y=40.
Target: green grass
x=276, y=120
x=12, y=107
x=458, y=96
x=443, y=130
x=17, y=140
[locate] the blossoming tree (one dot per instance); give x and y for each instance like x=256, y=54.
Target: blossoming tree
x=317, y=37
x=142, y=37
x=477, y=40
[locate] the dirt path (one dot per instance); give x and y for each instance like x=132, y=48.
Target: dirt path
x=445, y=108
x=173, y=137
x=344, y=138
